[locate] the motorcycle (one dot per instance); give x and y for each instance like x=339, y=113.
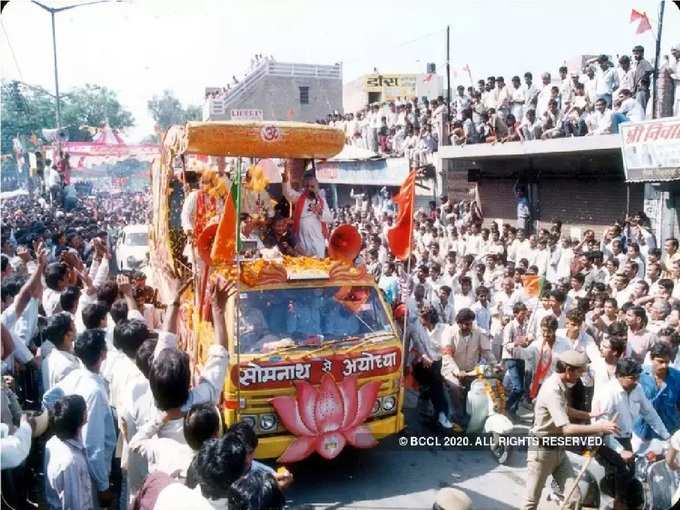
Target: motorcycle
x=659, y=482
x=486, y=407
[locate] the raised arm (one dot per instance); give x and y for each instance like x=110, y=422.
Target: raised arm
x=34, y=282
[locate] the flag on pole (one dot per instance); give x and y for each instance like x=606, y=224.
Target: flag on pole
x=644, y=25
x=224, y=246
x=533, y=285
x=399, y=236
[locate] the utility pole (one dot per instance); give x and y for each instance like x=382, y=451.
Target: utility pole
x=657, y=55
x=56, y=72
x=448, y=73
x=53, y=11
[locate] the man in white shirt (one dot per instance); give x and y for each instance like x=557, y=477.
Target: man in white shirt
x=530, y=92
x=603, y=369
x=518, y=98
x=461, y=102
x=99, y=433
x=625, y=75
x=171, y=395
x=465, y=298
x=544, y=96
x=600, y=120
x=605, y=80
x=67, y=479
x=58, y=276
x=589, y=84
x=622, y=400
x=58, y=359
x=629, y=109
x=482, y=309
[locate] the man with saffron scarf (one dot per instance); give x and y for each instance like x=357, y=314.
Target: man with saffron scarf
x=310, y=215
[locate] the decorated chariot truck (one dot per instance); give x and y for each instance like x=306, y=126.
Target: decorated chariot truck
x=315, y=360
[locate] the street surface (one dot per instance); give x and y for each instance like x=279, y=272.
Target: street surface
x=395, y=478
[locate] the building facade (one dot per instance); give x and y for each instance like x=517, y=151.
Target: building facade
x=380, y=88
x=579, y=181
x=279, y=91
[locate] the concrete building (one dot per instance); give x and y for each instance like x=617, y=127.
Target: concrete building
x=279, y=91
x=378, y=88
x=580, y=181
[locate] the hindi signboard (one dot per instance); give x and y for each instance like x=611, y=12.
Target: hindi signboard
x=391, y=85
x=651, y=150
x=247, y=114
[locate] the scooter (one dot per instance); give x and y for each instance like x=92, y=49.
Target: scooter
x=486, y=407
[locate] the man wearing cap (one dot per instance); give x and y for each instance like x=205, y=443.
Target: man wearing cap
x=553, y=417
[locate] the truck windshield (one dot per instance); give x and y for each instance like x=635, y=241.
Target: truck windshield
x=271, y=319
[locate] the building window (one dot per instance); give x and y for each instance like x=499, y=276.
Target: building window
x=304, y=95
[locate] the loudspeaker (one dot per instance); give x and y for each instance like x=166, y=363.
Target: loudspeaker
x=431, y=68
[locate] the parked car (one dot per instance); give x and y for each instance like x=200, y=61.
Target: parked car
x=132, y=250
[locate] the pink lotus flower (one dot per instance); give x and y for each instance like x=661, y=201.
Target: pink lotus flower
x=327, y=419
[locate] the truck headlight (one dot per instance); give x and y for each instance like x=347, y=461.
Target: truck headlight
x=250, y=420
x=267, y=422
x=389, y=403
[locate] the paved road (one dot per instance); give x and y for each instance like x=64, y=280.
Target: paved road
x=391, y=477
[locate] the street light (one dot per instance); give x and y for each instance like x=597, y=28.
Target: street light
x=53, y=11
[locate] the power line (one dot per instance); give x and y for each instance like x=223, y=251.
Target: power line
x=400, y=45
x=11, y=49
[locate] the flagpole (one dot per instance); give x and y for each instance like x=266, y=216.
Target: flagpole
x=448, y=75
x=657, y=54
x=408, y=272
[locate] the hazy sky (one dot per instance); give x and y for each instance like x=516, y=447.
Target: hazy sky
x=140, y=47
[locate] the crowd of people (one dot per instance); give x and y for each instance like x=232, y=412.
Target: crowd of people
x=585, y=329
x=223, y=92
x=591, y=101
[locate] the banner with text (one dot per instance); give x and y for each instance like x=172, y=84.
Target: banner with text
x=651, y=150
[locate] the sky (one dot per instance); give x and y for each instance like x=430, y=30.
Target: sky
x=141, y=47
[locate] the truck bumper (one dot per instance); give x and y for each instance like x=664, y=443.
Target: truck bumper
x=273, y=446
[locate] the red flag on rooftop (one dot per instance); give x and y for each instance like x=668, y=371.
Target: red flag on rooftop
x=399, y=236
x=635, y=15
x=644, y=25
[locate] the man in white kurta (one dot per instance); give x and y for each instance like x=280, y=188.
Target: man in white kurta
x=310, y=212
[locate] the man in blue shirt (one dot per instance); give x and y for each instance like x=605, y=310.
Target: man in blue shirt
x=661, y=385
x=523, y=209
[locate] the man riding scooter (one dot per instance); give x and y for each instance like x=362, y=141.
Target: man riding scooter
x=462, y=351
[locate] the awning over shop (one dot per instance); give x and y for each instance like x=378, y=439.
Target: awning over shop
x=651, y=150
x=370, y=172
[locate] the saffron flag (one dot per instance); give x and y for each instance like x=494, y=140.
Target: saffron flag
x=399, y=236
x=644, y=25
x=533, y=284
x=224, y=246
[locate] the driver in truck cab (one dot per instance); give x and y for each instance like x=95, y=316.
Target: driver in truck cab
x=463, y=349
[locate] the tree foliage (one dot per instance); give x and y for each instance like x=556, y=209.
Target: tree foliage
x=167, y=110
x=27, y=110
